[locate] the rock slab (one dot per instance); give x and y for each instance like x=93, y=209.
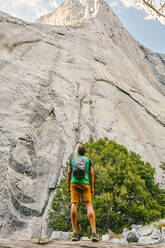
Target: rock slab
x=6, y=243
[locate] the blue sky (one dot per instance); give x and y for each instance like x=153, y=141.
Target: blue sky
x=147, y=31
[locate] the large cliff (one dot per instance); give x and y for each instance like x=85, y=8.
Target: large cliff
x=59, y=85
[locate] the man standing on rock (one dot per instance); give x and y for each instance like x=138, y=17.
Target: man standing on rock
x=79, y=171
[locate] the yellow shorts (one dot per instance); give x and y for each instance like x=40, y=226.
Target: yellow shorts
x=80, y=188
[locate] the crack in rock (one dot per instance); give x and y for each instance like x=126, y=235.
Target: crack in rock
x=140, y=104
x=19, y=43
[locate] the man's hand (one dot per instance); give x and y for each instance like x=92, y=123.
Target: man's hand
x=92, y=179
x=68, y=179
x=68, y=190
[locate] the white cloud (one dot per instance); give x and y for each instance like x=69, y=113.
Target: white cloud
x=28, y=3
x=37, y=8
x=148, y=17
x=127, y=3
x=130, y=3
x=15, y=15
x=29, y=10
x=54, y=4
x=40, y=12
x=114, y=4
x=3, y=5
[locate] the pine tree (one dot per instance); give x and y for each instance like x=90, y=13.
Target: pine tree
x=125, y=192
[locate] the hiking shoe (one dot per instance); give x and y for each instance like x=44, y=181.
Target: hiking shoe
x=75, y=237
x=95, y=237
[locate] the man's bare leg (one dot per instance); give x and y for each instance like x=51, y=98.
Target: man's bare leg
x=74, y=215
x=91, y=215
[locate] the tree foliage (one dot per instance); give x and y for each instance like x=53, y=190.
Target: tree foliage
x=125, y=192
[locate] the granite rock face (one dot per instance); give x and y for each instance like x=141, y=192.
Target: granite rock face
x=72, y=12
x=61, y=84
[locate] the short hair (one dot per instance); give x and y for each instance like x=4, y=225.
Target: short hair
x=81, y=150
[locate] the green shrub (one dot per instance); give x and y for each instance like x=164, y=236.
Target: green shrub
x=125, y=192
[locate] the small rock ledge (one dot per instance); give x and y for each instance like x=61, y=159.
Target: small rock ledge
x=13, y=243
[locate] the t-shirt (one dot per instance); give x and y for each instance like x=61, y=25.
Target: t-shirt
x=86, y=178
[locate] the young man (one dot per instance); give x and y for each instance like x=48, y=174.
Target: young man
x=81, y=186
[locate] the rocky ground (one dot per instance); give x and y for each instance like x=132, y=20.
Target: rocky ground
x=13, y=243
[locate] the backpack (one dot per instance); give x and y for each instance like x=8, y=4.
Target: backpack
x=79, y=167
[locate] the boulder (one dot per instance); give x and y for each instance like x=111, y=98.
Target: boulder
x=61, y=235
x=148, y=240
x=85, y=239
x=136, y=226
x=66, y=235
x=56, y=235
x=146, y=230
x=105, y=238
x=125, y=233
x=116, y=240
x=161, y=240
x=132, y=236
x=156, y=234
x=163, y=231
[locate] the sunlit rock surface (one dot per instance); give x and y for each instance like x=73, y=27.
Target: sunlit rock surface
x=72, y=12
x=58, y=86
x=67, y=244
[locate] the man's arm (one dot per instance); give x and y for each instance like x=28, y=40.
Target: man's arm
x=91, y=171
x=68, y=179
